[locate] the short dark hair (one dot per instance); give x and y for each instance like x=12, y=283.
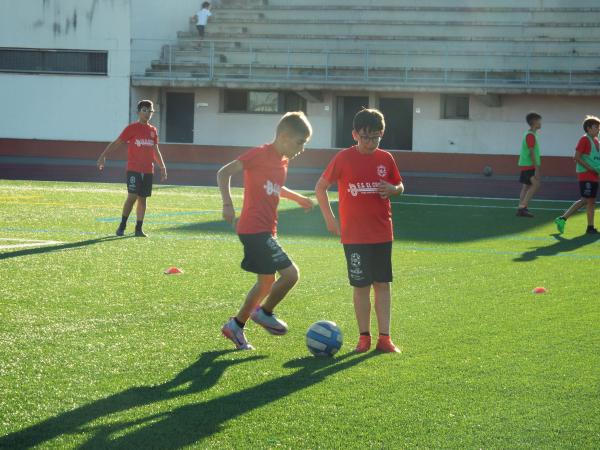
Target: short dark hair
x=589, y=121
x=369, y=120
x=205, y=4
x=531, y=117
x=294, y=122
x=145, y=104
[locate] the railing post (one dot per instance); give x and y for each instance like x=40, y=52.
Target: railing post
x=289, y=61
x=446, y=64
x=366, y=71
x=406, y=66
x=211, y=61
x=251, y=59
x=528, y=74
x=326, y=65
x=170, y=59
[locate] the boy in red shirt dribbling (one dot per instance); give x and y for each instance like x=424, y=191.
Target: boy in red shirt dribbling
x=366, y=177
x=142, y=151
x=265, y=172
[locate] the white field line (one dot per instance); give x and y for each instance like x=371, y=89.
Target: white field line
x=24, y=243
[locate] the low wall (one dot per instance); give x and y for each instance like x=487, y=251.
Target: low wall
x=423, y=173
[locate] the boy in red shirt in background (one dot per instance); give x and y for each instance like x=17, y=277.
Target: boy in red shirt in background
x=265, y=172
x=587, y=156
x=142, y=151
x=529, y=163
x=367, y=177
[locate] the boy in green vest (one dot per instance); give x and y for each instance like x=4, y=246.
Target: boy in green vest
x=587, y=156
x=529, y=163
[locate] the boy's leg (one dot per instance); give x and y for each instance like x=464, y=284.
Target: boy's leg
x=259, y=291
x=140, y=212
x=288, y=278
x=574, y=208
x=362, y=308
x=535, y=186
x=591, y=208
x=127, y=207
x=524, y=190
x=383, y=302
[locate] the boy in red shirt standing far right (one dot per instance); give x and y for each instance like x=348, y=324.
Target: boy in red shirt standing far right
x=366, y=177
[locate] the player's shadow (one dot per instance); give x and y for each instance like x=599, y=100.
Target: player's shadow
x=200, y=376
x=412, y=223
x=190, y=424
x=58, y=247
x=561, y=246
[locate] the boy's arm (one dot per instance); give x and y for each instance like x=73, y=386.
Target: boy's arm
x=302, y=200
x=321, y=193
x=223, y=181
x=109, y=148
x=161, y=163
x=581, y=161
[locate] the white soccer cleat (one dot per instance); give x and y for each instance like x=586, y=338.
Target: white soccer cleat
x=232, y=331
x=269, y=322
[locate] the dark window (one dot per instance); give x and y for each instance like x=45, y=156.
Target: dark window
x=455, y=106
x=72, y=62
x=262, y=102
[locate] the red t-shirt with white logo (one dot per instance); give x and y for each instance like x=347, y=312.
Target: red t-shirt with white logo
x=141, y=139
x=585, y=148
x=265, y=172
x=365, y=217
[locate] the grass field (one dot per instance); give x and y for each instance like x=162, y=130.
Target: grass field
x=100, y=349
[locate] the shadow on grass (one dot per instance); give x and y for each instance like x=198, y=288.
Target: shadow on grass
x=201, y=375
x=58, y=247
x=561, y=245
x=184, y=425
x=411, y=223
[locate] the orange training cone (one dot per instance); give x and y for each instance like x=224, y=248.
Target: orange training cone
x=173, y=271
x=540, y=290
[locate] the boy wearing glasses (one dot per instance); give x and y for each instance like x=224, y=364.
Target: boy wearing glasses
x=142, y=151
x=366, y=177
x=265, y=172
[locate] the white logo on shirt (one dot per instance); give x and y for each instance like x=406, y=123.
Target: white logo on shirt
x=363, y=188
x=144, y=142
x=272, y=188
x=381, y=170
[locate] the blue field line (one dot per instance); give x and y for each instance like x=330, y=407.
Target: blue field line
x=330, y=243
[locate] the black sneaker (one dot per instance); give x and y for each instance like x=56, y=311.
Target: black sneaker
x=140, y=233
x=120, y=231
x=591, y=230
x=523, y=212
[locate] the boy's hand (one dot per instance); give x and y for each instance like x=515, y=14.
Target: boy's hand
x=228, y=213
x=333, y=226
x=101, y=162
x=386, y=190
x=163, y=174
x=307, y=203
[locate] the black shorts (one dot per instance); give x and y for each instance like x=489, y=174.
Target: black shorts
x=526, y=175
x=139, y=183
x=200, y=29
x=369, y=263
x=262, y=254
x=588, y=189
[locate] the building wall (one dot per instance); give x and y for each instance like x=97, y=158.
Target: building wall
x=59, y=106
x=499, y=130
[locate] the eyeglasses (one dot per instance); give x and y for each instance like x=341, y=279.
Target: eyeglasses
x=370, y=138
x=145, y=110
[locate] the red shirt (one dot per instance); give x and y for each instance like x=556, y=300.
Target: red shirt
x=365, y=217
x=141, y=139
x=530, y=139
x=585, y=148
x=265, y=172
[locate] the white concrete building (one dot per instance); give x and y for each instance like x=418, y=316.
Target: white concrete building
x=452, y=77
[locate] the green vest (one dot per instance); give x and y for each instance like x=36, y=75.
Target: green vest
x=593, y=158
x=525, y=158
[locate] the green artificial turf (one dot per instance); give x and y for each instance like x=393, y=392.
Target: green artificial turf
x=100, y=349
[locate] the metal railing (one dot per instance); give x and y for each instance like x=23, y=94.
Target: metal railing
x=447, y=65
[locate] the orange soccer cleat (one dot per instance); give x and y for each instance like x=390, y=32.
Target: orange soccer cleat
x=364, y=344
x=385, y=344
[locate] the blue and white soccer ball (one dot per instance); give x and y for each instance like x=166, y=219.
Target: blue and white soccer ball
x=324, y=338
